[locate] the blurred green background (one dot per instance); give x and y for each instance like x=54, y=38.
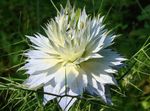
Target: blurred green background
x=129, y=18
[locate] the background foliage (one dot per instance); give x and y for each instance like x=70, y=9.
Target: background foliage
x=130, y=18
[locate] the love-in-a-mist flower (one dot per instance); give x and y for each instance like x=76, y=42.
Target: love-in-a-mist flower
x=72, y=58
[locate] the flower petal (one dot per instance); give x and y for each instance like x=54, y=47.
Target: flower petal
x=105, y=79
x=66, y=102
x=71, y=73
x=48, y=89
x=60, y=75
x=40, y=41
x=35, y=65
x=35, y=81
x=77, y=85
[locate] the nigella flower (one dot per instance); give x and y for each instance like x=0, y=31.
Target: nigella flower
x=72, y=58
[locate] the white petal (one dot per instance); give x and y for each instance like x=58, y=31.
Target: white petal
x=116, y=63
x=35, y=81
x=121, y=59
x=71, y=73
x=94, y=45
x=42, y=77
x=111, y=70
x=35, y=65
x=51, y=72
x=48, y=89
x=37, y=54
x=40, y=41
x=101, y=92
x=82, y=20
x=111, y=56
x=52, y=88
x=105, y=79
x=85, y=80
x=60, y=75
x=48, y=78
x=91, y=56
x=109, y=40
x=94, y=66
x=78, y=85
x=97, y=88
x=60, y=89
x=66, y=102
x=98, y=69
x=95, y=55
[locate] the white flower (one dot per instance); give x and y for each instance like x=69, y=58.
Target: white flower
x=72, y=58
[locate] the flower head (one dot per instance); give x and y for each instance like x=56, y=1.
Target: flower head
x=72, y=58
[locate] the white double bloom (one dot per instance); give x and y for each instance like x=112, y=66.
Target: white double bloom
x=72, y=58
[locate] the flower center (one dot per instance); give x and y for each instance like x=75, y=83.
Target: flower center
x=70, y=56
